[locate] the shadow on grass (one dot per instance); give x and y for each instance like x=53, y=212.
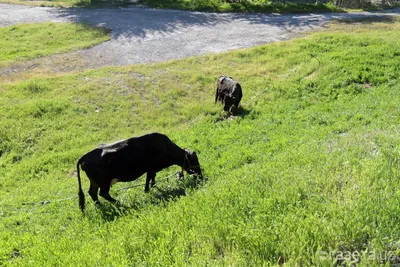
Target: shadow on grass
x=103, y=3
x=138, y=23
x=368, y=20
x=157, y=196
x=135, y=22
x=241, y=112
x=274, y=6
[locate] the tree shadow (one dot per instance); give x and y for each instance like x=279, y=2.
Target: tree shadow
x=313, y=21
x=138, y=22
x=144, y=35
x=143, y=24
x=104, y=3
x=369, y=20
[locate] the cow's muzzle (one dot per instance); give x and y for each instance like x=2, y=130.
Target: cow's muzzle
x=194, y=170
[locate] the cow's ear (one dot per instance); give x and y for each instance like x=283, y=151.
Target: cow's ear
x=187, y=153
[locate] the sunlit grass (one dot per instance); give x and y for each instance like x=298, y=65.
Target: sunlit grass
x=70, y=3
x=22, y=42
x=48, y=3
x=309, y=169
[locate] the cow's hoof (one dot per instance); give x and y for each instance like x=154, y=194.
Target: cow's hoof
x=180, y=175
x=233, y=110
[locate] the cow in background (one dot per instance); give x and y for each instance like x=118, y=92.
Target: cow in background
x=229, y=92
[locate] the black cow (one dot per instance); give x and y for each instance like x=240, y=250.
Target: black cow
x=127, y=160
x=229, y=92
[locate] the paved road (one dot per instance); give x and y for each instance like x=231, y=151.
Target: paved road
x=141, y=35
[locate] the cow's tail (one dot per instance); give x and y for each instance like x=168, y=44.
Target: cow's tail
x=80, y=193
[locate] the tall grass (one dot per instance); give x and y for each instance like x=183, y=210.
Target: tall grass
x=306, y=175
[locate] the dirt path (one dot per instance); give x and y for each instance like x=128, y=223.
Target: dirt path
x=142, y=35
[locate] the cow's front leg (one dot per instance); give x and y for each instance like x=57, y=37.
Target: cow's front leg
x=151, y=176
x=104, y=192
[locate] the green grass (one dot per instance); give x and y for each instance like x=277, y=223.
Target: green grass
x=28, y=41
x=263, y=6
x=307, y=172
x=49, y=3
x=243, y=6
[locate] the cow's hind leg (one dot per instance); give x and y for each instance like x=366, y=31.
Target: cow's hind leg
x=104, y=192
x=151, y=176
x=93, y=191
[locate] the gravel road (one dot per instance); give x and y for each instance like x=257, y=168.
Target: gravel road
x=142, y=35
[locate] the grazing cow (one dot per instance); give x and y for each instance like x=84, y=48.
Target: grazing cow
x=229, y=92
x=127, y=160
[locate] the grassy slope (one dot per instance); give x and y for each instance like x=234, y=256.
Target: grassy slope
x=27, y=41
x=311, y=166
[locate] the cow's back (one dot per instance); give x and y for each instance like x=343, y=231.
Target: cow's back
x=93, y=161
x=138, y=155
x=130, y=158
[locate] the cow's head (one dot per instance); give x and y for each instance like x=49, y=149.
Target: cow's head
x=218, y=95
x=221, y=80
x=192, y=164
